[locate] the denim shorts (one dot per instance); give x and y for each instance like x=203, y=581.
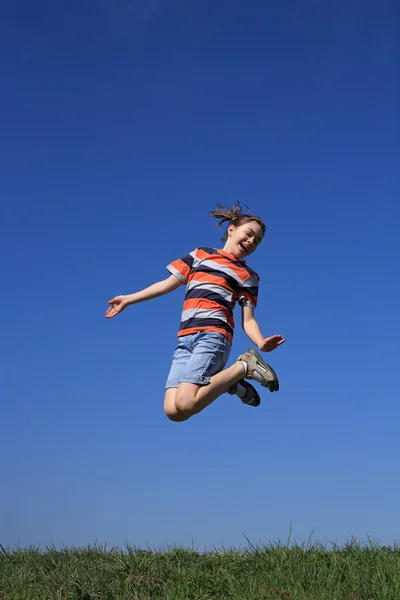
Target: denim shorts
x=197, y=357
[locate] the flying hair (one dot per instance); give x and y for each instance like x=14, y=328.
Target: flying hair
x=234, y=216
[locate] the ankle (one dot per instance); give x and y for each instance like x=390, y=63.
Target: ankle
x=244, y=366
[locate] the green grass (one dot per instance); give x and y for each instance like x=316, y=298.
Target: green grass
x=274, y=572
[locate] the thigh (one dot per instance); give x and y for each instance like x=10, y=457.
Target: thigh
x=210, y=355
x=180, y=359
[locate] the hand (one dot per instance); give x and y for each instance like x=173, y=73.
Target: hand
x=117, y=305
x=271, y=343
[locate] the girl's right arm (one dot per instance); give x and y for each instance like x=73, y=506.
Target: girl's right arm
x=160, y=288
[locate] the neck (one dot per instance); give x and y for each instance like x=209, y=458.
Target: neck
x=229, y=250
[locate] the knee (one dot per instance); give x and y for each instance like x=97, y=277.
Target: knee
x=175, y=415
x=174, y=412
x=179, y=406
x=184, y=403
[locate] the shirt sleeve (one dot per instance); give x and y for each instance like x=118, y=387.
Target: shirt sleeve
x=182, y=266
x=248, y=293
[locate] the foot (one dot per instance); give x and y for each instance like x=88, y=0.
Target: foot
x=258, y=370
x=250, y=397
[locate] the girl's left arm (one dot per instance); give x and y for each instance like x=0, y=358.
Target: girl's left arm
x=252, y=330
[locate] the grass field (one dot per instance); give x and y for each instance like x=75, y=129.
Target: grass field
x=274, y=572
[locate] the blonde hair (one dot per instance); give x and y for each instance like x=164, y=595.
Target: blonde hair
x=234, y=216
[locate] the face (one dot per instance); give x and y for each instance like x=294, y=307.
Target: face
x=244, y=239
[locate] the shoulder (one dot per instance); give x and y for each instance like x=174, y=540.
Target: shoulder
x=247, y=273
x=202, y=253
x=206, y=250
x=252, y=273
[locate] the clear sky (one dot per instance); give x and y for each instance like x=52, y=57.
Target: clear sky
x=123, y=123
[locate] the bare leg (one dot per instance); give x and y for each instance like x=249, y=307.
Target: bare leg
x=190, y=398
x=170, y=408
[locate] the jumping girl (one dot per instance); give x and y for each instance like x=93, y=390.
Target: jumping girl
x=215, y=280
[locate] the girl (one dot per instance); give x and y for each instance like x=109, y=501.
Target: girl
x=215, y=280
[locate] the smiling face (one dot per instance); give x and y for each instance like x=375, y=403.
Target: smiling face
x=243, y=239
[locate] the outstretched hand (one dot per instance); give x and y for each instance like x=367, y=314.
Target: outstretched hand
x=271, y=343
x=117, y=305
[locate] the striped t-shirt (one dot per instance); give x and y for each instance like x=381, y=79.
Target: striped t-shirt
x=215, y=281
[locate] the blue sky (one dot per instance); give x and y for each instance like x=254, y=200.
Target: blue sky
x=123, y=124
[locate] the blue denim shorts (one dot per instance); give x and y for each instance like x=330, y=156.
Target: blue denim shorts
x=197, y=357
